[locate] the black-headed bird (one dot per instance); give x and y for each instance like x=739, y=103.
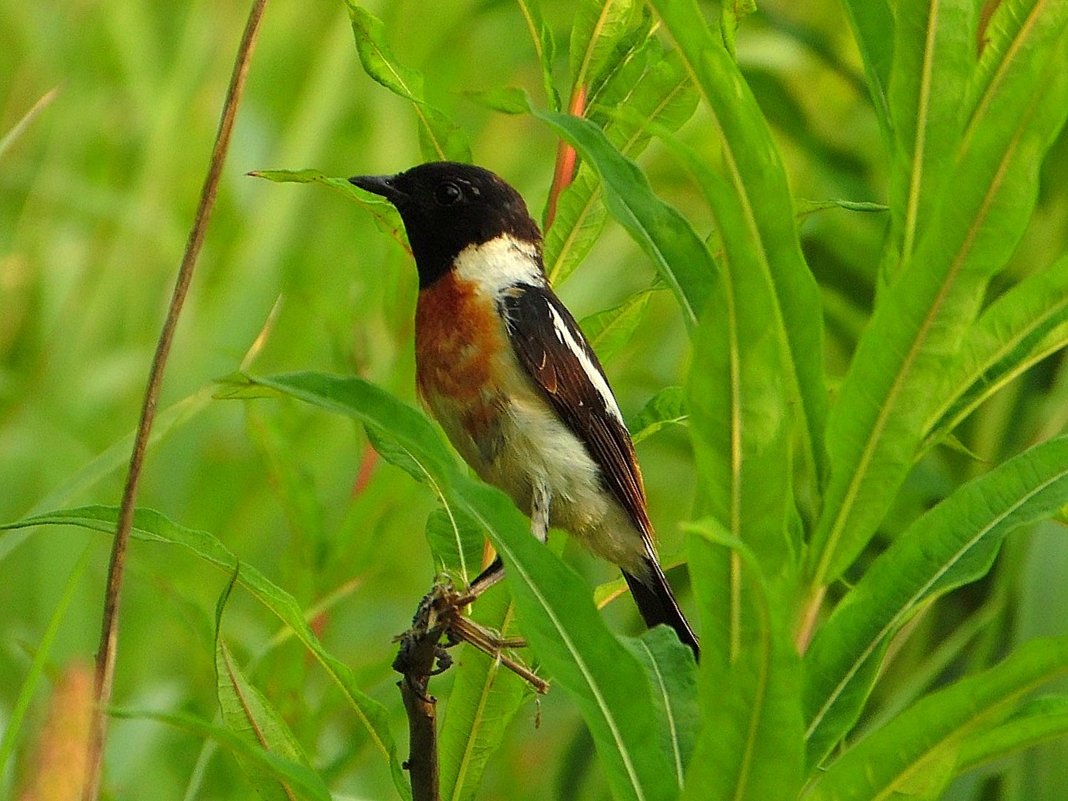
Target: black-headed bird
x=504, y=368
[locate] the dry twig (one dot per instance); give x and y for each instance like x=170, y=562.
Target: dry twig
x=422, y=655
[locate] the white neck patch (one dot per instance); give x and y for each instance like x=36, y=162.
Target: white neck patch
x=500, y=263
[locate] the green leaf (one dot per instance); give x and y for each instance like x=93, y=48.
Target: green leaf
x=484, y=699
x=652, y=88
x=953, y=544
x=931, y=731
x=1021, y=327
x=154, y=527
x=934, y=54
x=249, y=715
x=754, y=214
x=873, y=30
x=667, y=407
x=563, y=627
x=568, y=635
x=456, y=542
x=877, y=426
x=580, y=218
x=507, y=99
x=673, y=674
x=406, y=436
x=751, y=744
x=1007, y=32
x=382, y=212
x=738, y=403
x=1037, y=721
x=601, y=28
x=301, y=780
x=667, y=238
x=545, y=46
x=806, y=207
x=731, y=14
x=611, y=330
x=441, y=139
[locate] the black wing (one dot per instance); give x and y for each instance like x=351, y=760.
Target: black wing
x=552, y=349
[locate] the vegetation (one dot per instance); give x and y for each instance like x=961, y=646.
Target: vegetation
x=823, y=252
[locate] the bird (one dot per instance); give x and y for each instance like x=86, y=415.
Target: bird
x=506, y=371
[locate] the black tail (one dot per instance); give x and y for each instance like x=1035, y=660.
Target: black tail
x=658, y=605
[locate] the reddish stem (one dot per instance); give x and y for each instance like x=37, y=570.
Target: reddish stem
x=566, y=159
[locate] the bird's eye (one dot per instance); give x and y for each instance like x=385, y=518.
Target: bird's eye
x=448, y=193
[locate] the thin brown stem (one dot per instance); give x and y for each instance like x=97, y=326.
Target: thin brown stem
x=105, y=658
x=421, y=656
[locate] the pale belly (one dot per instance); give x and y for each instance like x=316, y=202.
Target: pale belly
x=519, y=444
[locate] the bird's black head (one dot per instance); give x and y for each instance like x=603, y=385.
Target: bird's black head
x=447, y=207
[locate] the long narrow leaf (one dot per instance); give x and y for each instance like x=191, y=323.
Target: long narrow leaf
x=740, y=408
x=441, y=139
x=667, y=407
x=876, y=427
x=952, y=544
x=654, y=89
x=601, y=29
x=885, y=764
x=565, y=630
x=934, y=54
x=1039, y=721
x=544, y=45
x=484, y=699
x=750, y=747
x=609, y=331
x=674, y=677
x=668, y=239
x=757, y=214
x=1020, y=327
x=248, y=714
x=563, y=626
x=873, y=29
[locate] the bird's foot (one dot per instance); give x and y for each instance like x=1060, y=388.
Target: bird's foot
x=442, y=610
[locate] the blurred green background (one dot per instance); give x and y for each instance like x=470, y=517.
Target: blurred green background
x=97, y=193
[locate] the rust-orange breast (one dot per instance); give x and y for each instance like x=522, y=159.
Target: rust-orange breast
x=457, y=335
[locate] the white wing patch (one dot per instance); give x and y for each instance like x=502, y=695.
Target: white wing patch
x=593, y=375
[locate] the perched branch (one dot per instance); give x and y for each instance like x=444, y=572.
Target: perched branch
x=422, y=655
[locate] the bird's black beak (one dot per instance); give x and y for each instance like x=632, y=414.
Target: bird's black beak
x=383, y=185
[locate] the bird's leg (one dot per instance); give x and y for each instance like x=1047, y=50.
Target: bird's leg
x=540, y=502
x=486, y=579
x=539, y=526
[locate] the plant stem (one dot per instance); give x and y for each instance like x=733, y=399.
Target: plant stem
x=109, y=633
